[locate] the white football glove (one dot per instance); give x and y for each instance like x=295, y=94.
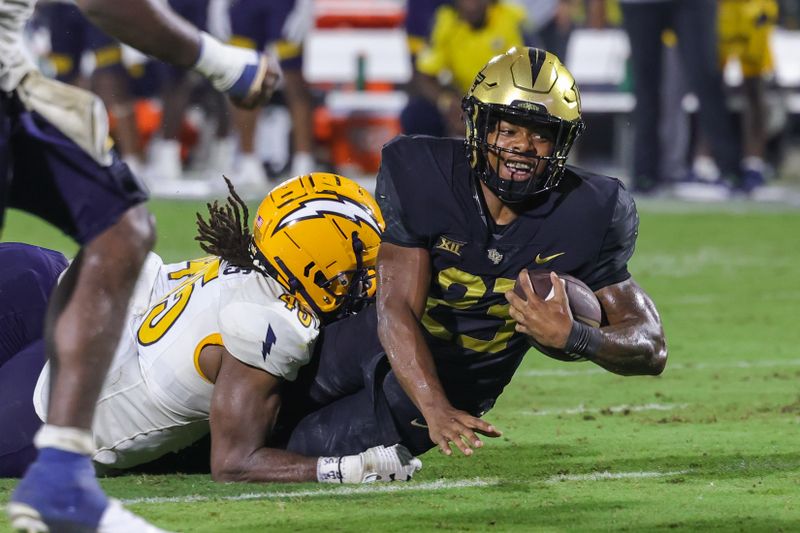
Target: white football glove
x=379, y=463
x=247, y=76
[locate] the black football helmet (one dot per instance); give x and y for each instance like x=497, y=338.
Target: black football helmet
x=526, y=86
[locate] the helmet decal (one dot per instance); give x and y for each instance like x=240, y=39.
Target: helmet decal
x=319, y=207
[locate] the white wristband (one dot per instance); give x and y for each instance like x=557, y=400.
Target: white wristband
x=223, y=64
x=347, y=469
x=74, y=440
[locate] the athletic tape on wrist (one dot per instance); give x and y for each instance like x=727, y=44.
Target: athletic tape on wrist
x=222, y=64
x=583, y=340
x=346, y=469
x=69, y=439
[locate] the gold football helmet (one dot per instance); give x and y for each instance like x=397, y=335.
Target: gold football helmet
x=318, y=236
x=526, y=86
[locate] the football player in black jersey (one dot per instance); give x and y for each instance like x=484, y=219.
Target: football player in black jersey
x=461, y=228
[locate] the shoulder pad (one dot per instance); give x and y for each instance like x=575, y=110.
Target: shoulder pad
x=267, y=336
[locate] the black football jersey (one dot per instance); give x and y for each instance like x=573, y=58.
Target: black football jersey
x=430, y=198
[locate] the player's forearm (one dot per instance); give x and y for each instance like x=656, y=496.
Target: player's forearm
x=632, y=341
x=410, y=357
x=635, y=347
x=265, y=465
x=147, y=26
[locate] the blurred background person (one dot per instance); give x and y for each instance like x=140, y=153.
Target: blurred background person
x=464, y=37
x=420, y=15
x=549, y=23
x=179, y=89
x=744, y=29
x=73, y=40
x=281, y=24
x=694, y=23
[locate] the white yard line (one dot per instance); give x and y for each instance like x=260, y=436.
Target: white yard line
x=585, y=371
x=600, y=476
x=581, y=409
x=379, y=488
x=376, y=488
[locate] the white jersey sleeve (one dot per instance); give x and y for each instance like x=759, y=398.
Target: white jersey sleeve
x=264, y=332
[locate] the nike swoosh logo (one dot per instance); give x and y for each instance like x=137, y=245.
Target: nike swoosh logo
x=542, y=260
x=417, y=424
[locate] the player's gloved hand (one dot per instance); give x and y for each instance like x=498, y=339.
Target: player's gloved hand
x=247, y=76
x=379, y=463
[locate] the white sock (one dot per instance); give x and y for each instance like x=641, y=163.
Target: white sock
x=753, y=162
x=75, y=440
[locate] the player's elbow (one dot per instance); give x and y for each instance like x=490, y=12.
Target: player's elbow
x=657, y=357
x=228, y=473
x=227, y=468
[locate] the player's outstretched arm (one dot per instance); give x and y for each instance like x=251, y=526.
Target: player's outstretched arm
x=403, y=280
x=244, y=407
x=248, y=77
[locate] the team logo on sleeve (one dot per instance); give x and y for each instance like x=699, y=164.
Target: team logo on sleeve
x=449, y=245
x=269, y=341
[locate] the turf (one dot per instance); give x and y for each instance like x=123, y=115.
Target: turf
x=712, y=444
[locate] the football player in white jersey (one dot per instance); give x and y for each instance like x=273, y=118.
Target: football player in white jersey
x=208, y=342
x=56, y=162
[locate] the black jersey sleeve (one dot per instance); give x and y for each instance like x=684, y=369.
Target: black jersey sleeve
x=618, y=243
x=392, y=210
x=400, y=194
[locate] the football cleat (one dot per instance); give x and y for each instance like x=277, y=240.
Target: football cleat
x=527, y=86
x=60, y=493
x=318, y=236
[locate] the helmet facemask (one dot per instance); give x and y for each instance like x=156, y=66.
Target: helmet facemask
x=530, y=88
x=346, y=291
x=352, y=289
x=482, y=120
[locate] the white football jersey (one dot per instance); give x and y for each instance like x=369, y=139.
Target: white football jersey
x=14, y=61
x=155, y=398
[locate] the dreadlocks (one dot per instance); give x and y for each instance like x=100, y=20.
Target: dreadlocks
x=224, y=235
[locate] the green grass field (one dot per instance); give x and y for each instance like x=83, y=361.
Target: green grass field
x=712, y=444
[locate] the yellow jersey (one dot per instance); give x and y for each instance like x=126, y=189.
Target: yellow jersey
x=458, y=48
x=744, y=31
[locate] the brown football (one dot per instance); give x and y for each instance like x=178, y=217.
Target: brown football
x=582, y=302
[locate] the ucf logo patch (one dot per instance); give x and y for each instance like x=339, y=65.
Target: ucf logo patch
x=449, y=245
x=494, y=256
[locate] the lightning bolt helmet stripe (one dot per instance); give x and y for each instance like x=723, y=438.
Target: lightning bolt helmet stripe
x=340, y=207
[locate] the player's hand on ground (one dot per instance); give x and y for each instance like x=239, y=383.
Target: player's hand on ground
x=453, y=426
x=393, y=463
x=547, y=321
